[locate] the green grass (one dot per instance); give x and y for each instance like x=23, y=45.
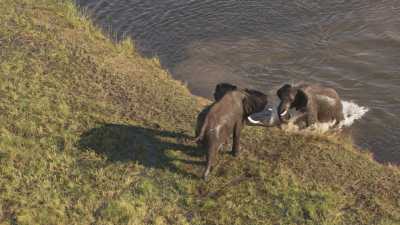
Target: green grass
x=93, y=133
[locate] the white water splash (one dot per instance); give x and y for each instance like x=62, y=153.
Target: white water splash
x=352, y=112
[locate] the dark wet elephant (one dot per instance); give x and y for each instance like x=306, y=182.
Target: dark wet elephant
x=315, y=103
x=302, y=105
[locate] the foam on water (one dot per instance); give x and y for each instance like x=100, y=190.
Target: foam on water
x=352, y=112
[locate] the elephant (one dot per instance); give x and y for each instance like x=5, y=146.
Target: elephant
x=314, y=103
x=224, y=117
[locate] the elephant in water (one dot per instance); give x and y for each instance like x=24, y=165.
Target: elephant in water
x=303, y=105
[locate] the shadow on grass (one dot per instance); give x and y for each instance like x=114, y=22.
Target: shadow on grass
x=122, y=143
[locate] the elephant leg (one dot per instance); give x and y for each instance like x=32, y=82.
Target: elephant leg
x=211, y=157
x=339, y=116
x=311, y=119
x=301, y=121
x=312, y=115
x=236, y=138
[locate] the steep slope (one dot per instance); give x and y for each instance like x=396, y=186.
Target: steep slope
x=93, y=133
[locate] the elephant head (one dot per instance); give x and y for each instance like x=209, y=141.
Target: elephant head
x=254, y=102
x=221, y=89
x=290, y=97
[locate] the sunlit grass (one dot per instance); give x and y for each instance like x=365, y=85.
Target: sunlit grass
x=93, y=133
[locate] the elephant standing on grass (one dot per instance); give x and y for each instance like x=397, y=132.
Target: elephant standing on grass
x=226, y=116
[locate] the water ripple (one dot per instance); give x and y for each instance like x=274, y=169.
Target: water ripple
x=351, y=45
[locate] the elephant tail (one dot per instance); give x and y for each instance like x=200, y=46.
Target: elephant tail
x=200, y=135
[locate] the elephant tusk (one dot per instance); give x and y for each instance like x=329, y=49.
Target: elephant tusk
x=284, y=113
x=253, y=121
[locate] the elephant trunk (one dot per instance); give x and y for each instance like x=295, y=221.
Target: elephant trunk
x=283, y=111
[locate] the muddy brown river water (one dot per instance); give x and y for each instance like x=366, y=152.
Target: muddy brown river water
x=350, y=45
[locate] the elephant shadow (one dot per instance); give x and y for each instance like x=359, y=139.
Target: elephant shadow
x=151, y=148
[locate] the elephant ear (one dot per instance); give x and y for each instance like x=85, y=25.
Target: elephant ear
x=284, y=89
x=301, y=99
x=221, y=89
x=254, y=101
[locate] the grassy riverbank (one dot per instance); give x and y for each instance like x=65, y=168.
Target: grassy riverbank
x=93, y=133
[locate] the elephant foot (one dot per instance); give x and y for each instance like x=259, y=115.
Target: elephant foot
x=235, y=153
